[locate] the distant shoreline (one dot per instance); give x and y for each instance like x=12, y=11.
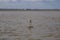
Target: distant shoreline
x=29, y=9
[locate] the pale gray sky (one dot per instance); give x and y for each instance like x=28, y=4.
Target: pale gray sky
x=33, y=4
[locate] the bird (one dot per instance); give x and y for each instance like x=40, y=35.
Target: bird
x=30, y=25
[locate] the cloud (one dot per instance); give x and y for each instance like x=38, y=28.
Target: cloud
x=4, y=0
x=41, y=4
x=8, y=0
x=50, y=0
x=39, y=0
x=14, y=0
x=25, y=0
x=32, y=0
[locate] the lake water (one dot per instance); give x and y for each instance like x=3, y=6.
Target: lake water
x=14, y=25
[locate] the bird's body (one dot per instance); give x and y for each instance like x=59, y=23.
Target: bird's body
x=30, y=25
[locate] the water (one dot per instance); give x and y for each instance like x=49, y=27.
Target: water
x=14, y=25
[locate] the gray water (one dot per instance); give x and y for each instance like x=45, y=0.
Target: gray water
x=14, y=25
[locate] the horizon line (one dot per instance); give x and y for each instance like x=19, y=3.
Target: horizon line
x=29, y=9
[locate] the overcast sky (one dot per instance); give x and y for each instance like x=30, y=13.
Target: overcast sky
x=33, y=4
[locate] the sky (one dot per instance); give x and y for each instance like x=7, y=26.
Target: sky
x=29, y=4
